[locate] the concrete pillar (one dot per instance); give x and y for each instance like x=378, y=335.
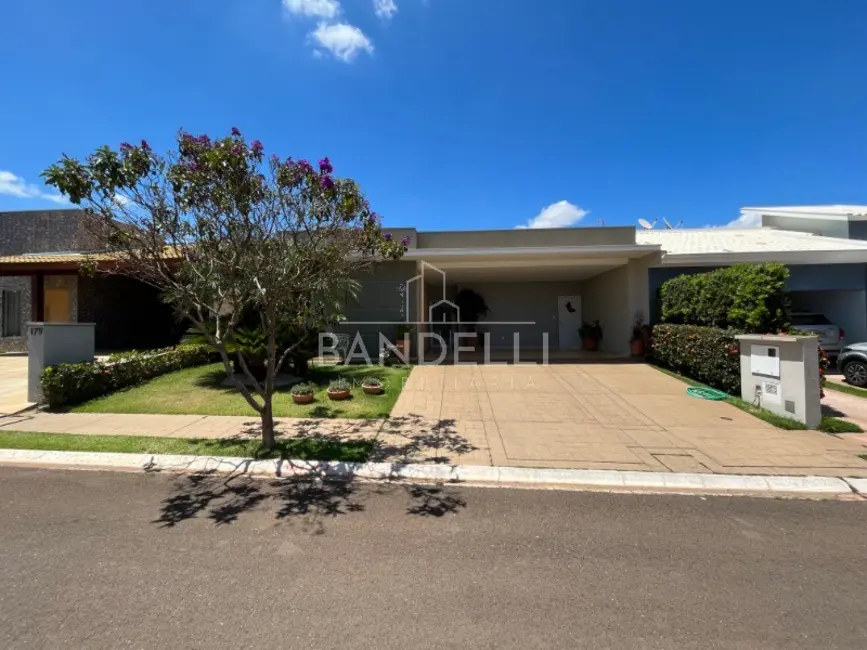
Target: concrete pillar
x=53, y=343
x=781, y=374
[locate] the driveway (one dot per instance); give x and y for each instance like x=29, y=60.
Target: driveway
x=608, y=416
x=13, y=383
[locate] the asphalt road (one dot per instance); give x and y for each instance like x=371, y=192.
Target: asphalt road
x=111, y=560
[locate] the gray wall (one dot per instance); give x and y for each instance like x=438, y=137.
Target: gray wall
x=44, y=231
x=522, y=301
x=609, y=236
x=606, y=299
x=22, y=284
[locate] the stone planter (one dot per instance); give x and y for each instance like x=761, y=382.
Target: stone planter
x=372, y=390
x=303, y=399
x=636, y=348
x=590, y=344
x=339, y=395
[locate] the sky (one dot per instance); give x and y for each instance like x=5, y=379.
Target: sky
x=463, y=114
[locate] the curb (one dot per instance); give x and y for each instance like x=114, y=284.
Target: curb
x=502, y=476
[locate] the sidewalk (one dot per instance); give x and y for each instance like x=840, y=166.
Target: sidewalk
x=410, y=438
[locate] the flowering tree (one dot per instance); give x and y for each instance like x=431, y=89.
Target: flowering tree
x=222, y=231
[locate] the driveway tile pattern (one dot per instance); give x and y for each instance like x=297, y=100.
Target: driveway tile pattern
x=608, y=415
x=13, y=383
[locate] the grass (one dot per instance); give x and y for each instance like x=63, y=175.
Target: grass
x=356, y=451
x=846, y=388
x=198, y=391
x=828, y=425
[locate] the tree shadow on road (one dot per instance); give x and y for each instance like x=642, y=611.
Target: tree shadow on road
x=313, y=498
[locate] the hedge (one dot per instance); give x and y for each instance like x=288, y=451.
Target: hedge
x=746, y=297
x=710, y=355
x=67, y=384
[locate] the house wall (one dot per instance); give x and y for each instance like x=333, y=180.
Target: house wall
x=381, y=304
x=517, y=302
x=22, y=284
x=818, y=226
x=43, y=231
x=523, y=238
x=605, y=297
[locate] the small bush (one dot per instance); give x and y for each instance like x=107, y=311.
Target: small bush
x=339, y=385
x=707, y=354
x=304, y=388
x=372, y=381
x=745, y=297
x=67, y=384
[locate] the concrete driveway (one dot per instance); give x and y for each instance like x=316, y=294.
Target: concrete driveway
x=608, y=416
x=13, y=383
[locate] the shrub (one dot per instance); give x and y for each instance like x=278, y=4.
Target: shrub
x=372, y=381
x=339, y=385
x=67, y=384
x=707, y=354
x=746, y=297
x=304, y=388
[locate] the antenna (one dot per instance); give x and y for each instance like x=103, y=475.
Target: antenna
x=667, y=225
x=601, y=222
x=644, y=223
x=679, y=224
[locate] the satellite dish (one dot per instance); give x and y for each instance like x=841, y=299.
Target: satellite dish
x=668, y=226
x=644, y=223
x=679, y=224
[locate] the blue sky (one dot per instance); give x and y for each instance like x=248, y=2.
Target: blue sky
x=463, y=113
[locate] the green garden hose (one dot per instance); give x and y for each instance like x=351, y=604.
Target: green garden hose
x=702, y=392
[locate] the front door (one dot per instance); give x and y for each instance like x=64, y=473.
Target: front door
x=568, y=321
x=56, y=305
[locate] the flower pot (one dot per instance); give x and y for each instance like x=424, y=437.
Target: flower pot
x=372, y=390
x=590, y=344
x=636, y=347
x=303, y=399
x=338, y=395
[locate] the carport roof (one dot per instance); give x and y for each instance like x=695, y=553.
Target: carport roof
x=710, y=246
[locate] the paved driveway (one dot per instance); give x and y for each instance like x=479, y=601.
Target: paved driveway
x=13, y=383
x=608, y=416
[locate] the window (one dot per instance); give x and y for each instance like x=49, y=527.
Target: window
x=11, y=313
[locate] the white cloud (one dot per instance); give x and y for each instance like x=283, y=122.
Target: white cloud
x=746, y=220
x=385, y=9
x=12, y=185
x=344, y=41
x=557, y=215
x=120, y=199
x=316, y=8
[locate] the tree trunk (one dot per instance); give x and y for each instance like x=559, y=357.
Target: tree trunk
x=268, y=440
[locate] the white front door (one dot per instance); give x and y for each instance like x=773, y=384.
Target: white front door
x=568, y=321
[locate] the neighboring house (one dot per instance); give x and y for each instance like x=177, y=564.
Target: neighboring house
x=40, y=256
x=538, y=284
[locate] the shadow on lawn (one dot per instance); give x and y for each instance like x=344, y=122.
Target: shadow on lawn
x=312, y=499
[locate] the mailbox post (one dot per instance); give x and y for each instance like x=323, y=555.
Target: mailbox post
x=781, y=374
x=52, y=343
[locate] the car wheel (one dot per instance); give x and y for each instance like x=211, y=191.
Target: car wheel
x=855, y=373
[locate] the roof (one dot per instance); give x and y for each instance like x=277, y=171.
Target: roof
x=708, y=246
x=31, y=263
x=836, y=212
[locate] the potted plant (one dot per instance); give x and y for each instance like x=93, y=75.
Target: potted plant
x=339, y=389
x=403, y=341
x=471, y=307
x=303, y=393
x=371, y=385
x=638, y=340
x=591, y=334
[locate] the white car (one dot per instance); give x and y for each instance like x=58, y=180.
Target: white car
x=832, y=338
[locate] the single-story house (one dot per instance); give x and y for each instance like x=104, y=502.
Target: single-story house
x=539, y=285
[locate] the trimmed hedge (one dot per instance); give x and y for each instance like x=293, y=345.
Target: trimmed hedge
x=67, y=384
x=707, y=354
x=745, y=297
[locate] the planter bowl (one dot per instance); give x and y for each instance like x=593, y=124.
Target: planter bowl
x=338, y=395
x=636, y=348
x=590, y=344
x=303, y=399
x=372, y=390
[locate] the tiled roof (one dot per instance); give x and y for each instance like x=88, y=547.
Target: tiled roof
x=748, y=240
x=55, y=258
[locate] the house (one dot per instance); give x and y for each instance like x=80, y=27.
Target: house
x=539, y=285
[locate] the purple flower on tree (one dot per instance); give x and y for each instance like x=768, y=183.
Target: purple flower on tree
x=325, y=166
x=125, y=147
x=405, y=241
x=145, y=146
x=235, y=131
x=327, y=182
x=256, y=147
x=388, y=236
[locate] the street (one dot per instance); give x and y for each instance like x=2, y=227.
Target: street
x=114, y=560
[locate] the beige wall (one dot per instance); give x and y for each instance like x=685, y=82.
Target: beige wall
x=613, y=236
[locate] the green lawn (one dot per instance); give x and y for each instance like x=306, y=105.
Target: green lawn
x=828, y=425
x=198, y=391
x=846, y=388
x=356, y=451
